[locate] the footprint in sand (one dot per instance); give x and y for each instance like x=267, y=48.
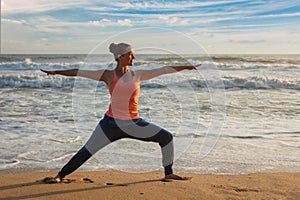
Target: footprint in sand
x=87, y=180
x=51, y=180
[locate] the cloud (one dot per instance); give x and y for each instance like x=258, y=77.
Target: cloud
x=296, y=14
x=35, y=6
x=193, y=13
x=172, y=20
x=45, y=41
x=244, y=22
x=125, y=22
x=180, y=13
x=248, y=41
x=178, y=5
x=108, y=22
x=13, y=21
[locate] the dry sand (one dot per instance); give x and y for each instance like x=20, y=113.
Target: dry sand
x=125, y=185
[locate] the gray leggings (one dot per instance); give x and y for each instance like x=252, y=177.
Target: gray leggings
x=110, y=130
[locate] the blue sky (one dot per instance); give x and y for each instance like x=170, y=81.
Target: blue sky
x=219, y=26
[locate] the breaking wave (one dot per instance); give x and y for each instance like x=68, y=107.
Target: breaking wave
x=43, y=81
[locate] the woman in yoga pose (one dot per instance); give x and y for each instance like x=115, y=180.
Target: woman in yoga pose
x=122, y=118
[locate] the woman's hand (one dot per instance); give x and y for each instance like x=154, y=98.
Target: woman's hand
x=180, y=68
x=193, y=67
x=48, y=72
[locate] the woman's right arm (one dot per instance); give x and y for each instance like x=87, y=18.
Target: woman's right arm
x=71, y=72
x=98, y=75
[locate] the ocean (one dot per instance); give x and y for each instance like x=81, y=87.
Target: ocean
x=234, y=114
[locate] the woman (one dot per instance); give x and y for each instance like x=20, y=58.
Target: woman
x=122, y=118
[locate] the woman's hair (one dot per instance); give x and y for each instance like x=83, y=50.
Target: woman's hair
x=119, y=49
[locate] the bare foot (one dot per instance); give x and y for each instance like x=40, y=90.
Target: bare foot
x=51, y=180
x=176, y=177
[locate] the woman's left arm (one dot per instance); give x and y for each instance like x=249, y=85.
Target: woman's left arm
x=149, y=74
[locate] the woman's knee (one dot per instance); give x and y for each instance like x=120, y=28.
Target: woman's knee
x=165, y=138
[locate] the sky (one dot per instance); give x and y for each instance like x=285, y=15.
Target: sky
x=217, y=26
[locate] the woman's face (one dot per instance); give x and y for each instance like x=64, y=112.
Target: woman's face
x=127, y=58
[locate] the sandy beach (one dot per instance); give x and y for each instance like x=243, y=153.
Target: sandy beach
x=125, y=185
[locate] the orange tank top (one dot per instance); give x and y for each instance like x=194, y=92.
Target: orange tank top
x=124, y=98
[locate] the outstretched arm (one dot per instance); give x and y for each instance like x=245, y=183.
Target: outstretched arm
x=149, y=74
x=98, y=75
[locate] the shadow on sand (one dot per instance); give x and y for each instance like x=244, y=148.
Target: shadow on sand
x=57, y=192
